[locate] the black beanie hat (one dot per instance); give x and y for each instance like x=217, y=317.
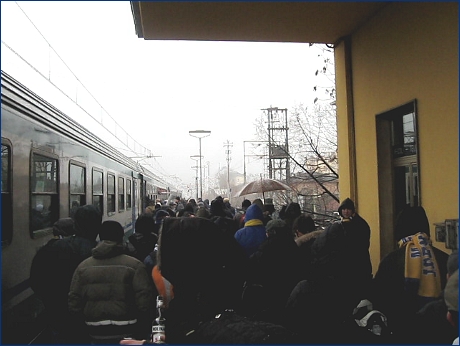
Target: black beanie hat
x=246, y=204
x=111, y=230
x=87, y=221
x=145, y=224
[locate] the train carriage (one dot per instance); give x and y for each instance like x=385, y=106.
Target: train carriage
x=50, y=166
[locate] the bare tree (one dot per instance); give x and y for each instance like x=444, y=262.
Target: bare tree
x=313, y=144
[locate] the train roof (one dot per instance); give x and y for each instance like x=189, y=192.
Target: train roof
x=18, y=96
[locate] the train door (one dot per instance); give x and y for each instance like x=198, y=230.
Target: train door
x=398, y=168
x=136, y=202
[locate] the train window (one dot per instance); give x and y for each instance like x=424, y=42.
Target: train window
x=44, y=193
x=121, y=194
x=7, y=208
x=110, y=193
x=98, y=194
x=77, y=186
x=149, y=193
x=128, y=194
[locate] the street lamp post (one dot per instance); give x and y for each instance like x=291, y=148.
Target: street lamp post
x=195, y=157
x=200, y=134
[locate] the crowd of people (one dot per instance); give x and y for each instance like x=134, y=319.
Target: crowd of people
x=248, y=275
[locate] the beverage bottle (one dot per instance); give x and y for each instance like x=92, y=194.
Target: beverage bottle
x=158, y=325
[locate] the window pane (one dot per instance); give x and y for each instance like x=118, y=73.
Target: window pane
x=121, y=194
x=98, y=203
x=97, y=183
x=44, y=174
x=121, y=186
x=77, y=179
x=6, y=168
x=75, y=202
x=7, y=206
x=128, y=194
x=111, y=203
x=403, y=135
x=128, y=187
x=42, y=214
x=110, y=184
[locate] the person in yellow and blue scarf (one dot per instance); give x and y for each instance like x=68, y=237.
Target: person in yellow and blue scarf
x=411, y=276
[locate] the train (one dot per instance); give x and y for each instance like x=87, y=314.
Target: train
x=50, y=166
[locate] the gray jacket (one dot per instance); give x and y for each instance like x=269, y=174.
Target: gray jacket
x=111, y=288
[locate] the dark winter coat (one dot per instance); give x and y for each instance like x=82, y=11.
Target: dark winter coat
x=432, y=325
x=141, y=245
x=251, y=236
x=50, y=277
x=112, y=293
x=206, y=267
x=53, y=266
x=314, y=311
x=389, y=294
x=225, y=223
x=305, y=243
x=342, y=251
x=276, y=267
x=341, y=257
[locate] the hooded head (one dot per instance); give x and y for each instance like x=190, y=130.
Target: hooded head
x=63, y=227
x=254, y=212
x=217, y=207
x=160, y=215
x=347, y=204
x=203, y=212
x=87, y=221
x=411, y=220
x=293, y=211
x=111, y=230
x=276, y=226
x=259, y=203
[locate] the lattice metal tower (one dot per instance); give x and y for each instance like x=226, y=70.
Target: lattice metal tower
x=278, y=143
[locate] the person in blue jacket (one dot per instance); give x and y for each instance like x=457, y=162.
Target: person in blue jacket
x=253, y=233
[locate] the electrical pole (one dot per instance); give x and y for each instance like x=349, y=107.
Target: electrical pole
x=227, y=152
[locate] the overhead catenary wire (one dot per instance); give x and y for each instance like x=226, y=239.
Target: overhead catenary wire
x=131, y=145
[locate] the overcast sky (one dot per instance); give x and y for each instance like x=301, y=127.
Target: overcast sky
x=160, y=90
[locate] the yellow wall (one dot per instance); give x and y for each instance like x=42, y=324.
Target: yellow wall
x=409, y=50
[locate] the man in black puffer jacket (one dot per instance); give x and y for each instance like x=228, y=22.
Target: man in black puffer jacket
x=52, y=274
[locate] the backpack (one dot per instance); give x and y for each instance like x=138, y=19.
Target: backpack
x=367, y=326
